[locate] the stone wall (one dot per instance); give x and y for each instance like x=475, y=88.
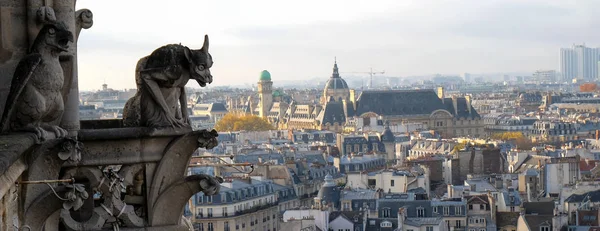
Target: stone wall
x=480, y=161
x=9, y=219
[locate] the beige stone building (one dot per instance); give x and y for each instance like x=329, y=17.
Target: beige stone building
x=330, y=113
x=247, y=204
x=451, y=117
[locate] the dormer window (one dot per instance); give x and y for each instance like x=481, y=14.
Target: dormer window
x=386, y=224
x=420, y=212
x=544, y=228
x=386, y=212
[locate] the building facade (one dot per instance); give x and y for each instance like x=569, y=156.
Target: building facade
x=579, y=62
x=241, y=205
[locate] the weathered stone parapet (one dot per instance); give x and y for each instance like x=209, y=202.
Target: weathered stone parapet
x=12, y=147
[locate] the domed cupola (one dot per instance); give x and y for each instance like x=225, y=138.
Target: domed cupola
x=336, y=87
x=329, y=194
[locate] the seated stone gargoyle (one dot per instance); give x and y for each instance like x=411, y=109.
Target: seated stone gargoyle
x=160, y=101
x=35, y=102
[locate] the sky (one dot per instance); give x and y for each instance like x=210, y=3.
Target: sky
x=299, y=39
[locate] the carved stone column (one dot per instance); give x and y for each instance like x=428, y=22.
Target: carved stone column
x=65, y=12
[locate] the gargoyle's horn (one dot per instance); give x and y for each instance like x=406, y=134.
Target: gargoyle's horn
x=205, y=45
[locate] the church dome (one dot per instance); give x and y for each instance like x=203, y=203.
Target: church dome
x=265, y=76
x=336, y=82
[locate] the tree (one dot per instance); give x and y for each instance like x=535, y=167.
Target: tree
x=517, y=138
x=508, y=136
x=524, y=144
x=459, y=146
x=234, y=122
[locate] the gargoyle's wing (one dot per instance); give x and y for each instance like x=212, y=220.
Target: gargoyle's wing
x=23, y=73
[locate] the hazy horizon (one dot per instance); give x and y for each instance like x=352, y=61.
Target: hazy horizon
x=298, y=40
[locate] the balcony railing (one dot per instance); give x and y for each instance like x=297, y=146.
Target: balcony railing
x=239, y=213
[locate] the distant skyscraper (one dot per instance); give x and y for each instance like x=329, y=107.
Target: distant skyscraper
x=467, y=77
x=579, y=62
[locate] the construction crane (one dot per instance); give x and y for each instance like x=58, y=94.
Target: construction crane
x=370, y=73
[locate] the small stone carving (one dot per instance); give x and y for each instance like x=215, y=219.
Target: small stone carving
x=209, y=185
x=35, y=103
x=84, y=19
x=161, y=78
x=70, y=149
x=208, y=139
x=45, y=14
x=74, y=198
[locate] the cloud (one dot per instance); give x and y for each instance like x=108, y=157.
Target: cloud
x=299, y=40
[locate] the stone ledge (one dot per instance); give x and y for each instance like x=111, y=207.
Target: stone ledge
x=14, y=145
x=127, y=145
x=129, y=133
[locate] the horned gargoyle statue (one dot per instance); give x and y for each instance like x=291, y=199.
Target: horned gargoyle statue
x=35, y=102
x=161, y=78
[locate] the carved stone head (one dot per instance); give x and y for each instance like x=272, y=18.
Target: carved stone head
x=200, y=63
x=54, y=37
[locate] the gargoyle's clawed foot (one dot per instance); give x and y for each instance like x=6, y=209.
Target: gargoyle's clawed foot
x=58, y=131
x=41, y=134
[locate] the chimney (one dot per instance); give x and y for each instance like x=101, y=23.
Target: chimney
x=509, y=183
x=499, y=183
x=440, y=92
x=353, y=97
x=468, y=99
x=401, y=218
x=492, y=202
x=454, y=104
x=597, y=134
x=528, y=191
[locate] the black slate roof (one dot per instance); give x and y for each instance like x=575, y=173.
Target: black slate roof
x=349, y=215
x=462, y=108
x=534, y=222
x=212, y=107
x=333, y=112
x=398, y=102
x=506, y=218
x=411, y=102
x=540, y=208
x=411, y=207
x=593, y=196
x=387, y=135
x=374, y=224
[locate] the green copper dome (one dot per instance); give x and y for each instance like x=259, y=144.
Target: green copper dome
x=265, y=76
